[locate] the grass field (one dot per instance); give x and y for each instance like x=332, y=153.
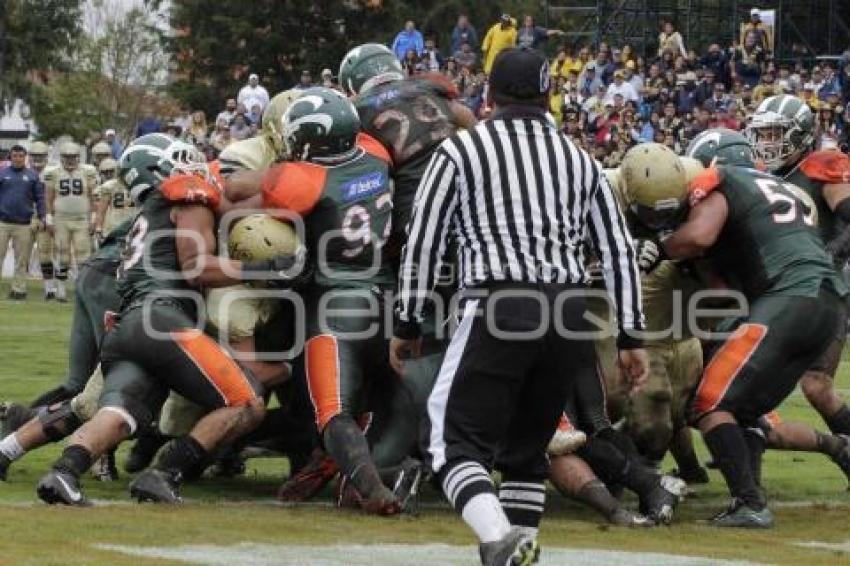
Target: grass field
x=808, y=491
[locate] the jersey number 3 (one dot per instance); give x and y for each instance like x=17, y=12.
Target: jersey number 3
x=135, y=246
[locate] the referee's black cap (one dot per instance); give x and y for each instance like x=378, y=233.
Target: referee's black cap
x=520, y=73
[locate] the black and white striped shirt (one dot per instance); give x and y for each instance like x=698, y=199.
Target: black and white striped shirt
x=520, y=200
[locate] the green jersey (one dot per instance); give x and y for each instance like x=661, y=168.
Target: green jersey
x=410, y=118
x=346, y=212
x=767, y=245
x=817, y=169
x=149, y=261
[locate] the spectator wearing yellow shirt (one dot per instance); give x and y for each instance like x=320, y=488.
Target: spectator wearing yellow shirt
x=766, y=88
x=563, y=63
x=760, y=30
x=809, y=96
x=500, y=36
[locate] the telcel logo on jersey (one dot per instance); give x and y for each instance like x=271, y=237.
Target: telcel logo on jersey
x=364, y=186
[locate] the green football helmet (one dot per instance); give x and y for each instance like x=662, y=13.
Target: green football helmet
x=272, y=126
x=781, y=131
x=320, y=125
x=721, y=146
x=368, y=65
x=152, y=158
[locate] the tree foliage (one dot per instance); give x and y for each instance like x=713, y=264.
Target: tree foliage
x=117, y=70
x=36, y=37
x=215, y=49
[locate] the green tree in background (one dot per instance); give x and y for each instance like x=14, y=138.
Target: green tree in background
x=36, y=37
x=117, y=69
x=214, y=48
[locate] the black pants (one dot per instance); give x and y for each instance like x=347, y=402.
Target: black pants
x=505, y=379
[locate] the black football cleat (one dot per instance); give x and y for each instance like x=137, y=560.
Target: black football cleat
x=742, y=516
x=407, y=484
x=58, y=486
x=156, y=486
x=661, y=502
x=622, y=517
x=514, y=549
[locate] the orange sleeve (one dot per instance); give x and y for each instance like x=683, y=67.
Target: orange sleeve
x=191, y=189
x=703, y=184
x=828, y=166
x=373, y=147
x=293, y=186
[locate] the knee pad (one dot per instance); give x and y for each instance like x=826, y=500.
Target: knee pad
x=58, y=421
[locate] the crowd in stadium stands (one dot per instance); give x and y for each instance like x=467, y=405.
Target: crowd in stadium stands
x=606, y=98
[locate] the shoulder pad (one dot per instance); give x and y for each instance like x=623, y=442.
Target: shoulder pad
x=827, y=165
x=703, y=184
x=373, y=147
x=440, y=84
x=191, y=189
x=295, y=186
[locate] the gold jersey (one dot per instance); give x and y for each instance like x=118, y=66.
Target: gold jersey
x=73, y=189
x=119, y=204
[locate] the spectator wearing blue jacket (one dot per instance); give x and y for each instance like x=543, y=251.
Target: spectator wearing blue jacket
x=20, y=189
x=408, y=38
x=463, y=33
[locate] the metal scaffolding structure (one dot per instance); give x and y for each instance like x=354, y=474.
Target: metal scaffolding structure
x=803, y=28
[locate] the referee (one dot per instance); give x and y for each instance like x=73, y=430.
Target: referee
x=520, y=200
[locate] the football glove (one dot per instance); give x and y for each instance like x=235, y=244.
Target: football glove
x=649, y=254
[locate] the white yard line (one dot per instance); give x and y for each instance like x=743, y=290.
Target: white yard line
x=251, y=554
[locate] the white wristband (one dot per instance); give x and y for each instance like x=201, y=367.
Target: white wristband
x=48, y=220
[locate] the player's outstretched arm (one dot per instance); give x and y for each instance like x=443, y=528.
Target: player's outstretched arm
x=701, y=230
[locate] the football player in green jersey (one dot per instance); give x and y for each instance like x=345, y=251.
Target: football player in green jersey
x=757, y=233
x=410, y=117
x=782, y=134
x=338, y=183
x=155, y=346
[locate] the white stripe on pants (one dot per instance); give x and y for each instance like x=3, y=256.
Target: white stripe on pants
x=439, y=397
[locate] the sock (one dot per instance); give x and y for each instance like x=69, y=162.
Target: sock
x=183, y=454
x=346, y=444
x=596, y=495
x=755, y=444
x=839, y=423
x=75, y=460
x=11, y=448
x=828, y=444
x=612, y=466
x=470, y=490
x=731, y=454
x=523, y=502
